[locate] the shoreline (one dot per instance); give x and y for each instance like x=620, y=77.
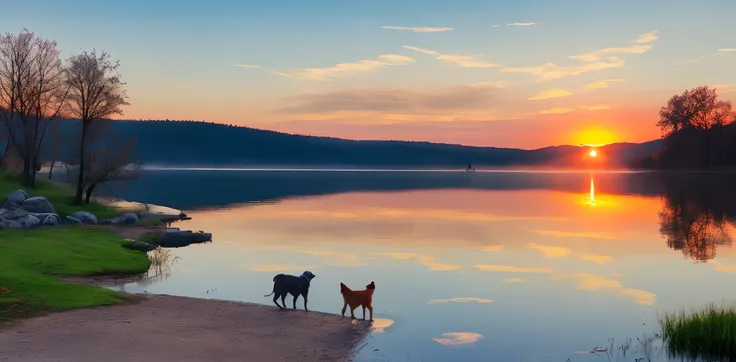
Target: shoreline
x=159, y=327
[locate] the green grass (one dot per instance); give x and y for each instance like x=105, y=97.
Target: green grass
x=31, y=260
x=59, y=195
x=708, y=332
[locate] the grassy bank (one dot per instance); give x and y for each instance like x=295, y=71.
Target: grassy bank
x=31, y=260
x=708, y=332
x=59, y=196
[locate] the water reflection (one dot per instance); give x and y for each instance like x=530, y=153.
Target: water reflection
x=497, y=264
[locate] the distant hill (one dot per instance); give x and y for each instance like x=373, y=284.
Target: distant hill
x=191, y=143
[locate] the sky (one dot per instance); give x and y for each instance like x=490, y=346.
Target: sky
x=522, y=73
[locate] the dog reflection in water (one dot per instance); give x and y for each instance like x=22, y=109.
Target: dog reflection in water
x=284, y=284
x=358, y=298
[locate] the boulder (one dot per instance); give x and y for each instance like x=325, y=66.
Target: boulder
x=73, y=220
x=84, y=217
x=128, y=219
x=48, y=219
x=11, y=210
x=139, y=245
x=17, y=196
x=175, y=238
x=29, y=221
x=10, y=224
x=38, y=204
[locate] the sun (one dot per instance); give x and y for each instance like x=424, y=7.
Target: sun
x=593, y=153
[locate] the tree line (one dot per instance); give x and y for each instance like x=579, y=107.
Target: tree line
x=38, y=92
x=698, y=130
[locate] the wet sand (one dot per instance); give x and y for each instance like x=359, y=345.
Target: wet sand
x=160, y=328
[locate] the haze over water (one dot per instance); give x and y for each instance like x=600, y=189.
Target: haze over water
x=468, y=266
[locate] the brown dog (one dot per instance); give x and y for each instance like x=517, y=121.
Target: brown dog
x=358, y=298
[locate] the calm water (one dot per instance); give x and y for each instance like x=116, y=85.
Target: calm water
x=468, y=266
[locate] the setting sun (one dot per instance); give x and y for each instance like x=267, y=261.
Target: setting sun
x=593, y=153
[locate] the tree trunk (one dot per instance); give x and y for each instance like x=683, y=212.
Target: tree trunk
x=51, y=169
x=27, y=172
x=80, y=179
x=90, y=190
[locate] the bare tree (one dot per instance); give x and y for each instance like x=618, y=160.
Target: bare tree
x=96, y=93
x=109, y=161
x=32, y=92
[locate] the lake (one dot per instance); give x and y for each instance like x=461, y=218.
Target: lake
x=477, y=266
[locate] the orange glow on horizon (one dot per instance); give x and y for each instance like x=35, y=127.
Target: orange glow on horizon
x=596, y=136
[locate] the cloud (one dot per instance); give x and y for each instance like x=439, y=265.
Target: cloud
x=590, y=61
x=464, y=98
x=246, y=66
x=417, y=29
x=511, y=269
x=727, y=50
x=490, y=248
x=646, y=38
x=516, y=280
x=595, y=108
x=594, y=283
x=348, y=69
x=718, y=52
x=550, y=251
x=557, y=111
x=379, y=325
x=602, y=83
x=496, y=26
x=599, y=259
x=723, y=267
x=279, y=268
x=568, y=234
x=457, y=338
x=549, y=94
x=520, y=24
x=461, y=300
x=465, y=61
x=425, y=260
x=550, y=71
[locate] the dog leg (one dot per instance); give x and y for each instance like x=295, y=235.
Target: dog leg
x=363, y=312
x=283, y=300
x=370, y=309
x=275, y=300
x=352, y=312
x=305, y=302
x=295, y=298
x=344, y=307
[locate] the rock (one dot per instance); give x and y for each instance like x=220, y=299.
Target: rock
x=73, y=220
x=107, y=221
x=48, y=219
x=10, y=224
x=17, y=196
x=139, y=245
x=11, y=210
x=38, y=204
x=84, y=217
x=29, y=221
x=129, y=219
x=175, y=238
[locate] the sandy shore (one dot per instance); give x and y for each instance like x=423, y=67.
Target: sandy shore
x=162, y=328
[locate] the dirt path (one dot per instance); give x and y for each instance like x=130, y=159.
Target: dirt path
x=165, y=328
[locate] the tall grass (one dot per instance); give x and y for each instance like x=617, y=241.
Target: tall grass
x=708, y=332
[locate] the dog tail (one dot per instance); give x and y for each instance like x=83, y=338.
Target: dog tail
x=344, y=288
x=274, y=286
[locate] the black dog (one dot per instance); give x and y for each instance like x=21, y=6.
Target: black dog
x=288, y=284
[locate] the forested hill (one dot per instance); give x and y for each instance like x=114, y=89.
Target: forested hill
x=211, y=144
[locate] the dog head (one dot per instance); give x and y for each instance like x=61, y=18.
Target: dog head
x=372, y=285
x=309, y=275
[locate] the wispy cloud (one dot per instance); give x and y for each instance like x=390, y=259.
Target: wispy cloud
x=723, y=267
x=598, y=259
x=466, y=61
x=602, y=83
x=246, y=66
x=593, y=60
x=521, y=24
x=515, y=280
x=559, y=110
x=717, y=53
x=511, y=269
x=595, y=107
x=428, y=261
x=490, y=248
x=550, y=251
x=461, y=300
x=496, y=26
x=418, y=29
x=565, y=110
x=279, y=268
x=348, y=69
x=572, y=234
x=549, y=94
x=457, y=338
x=594, y=283
x=727, y=50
